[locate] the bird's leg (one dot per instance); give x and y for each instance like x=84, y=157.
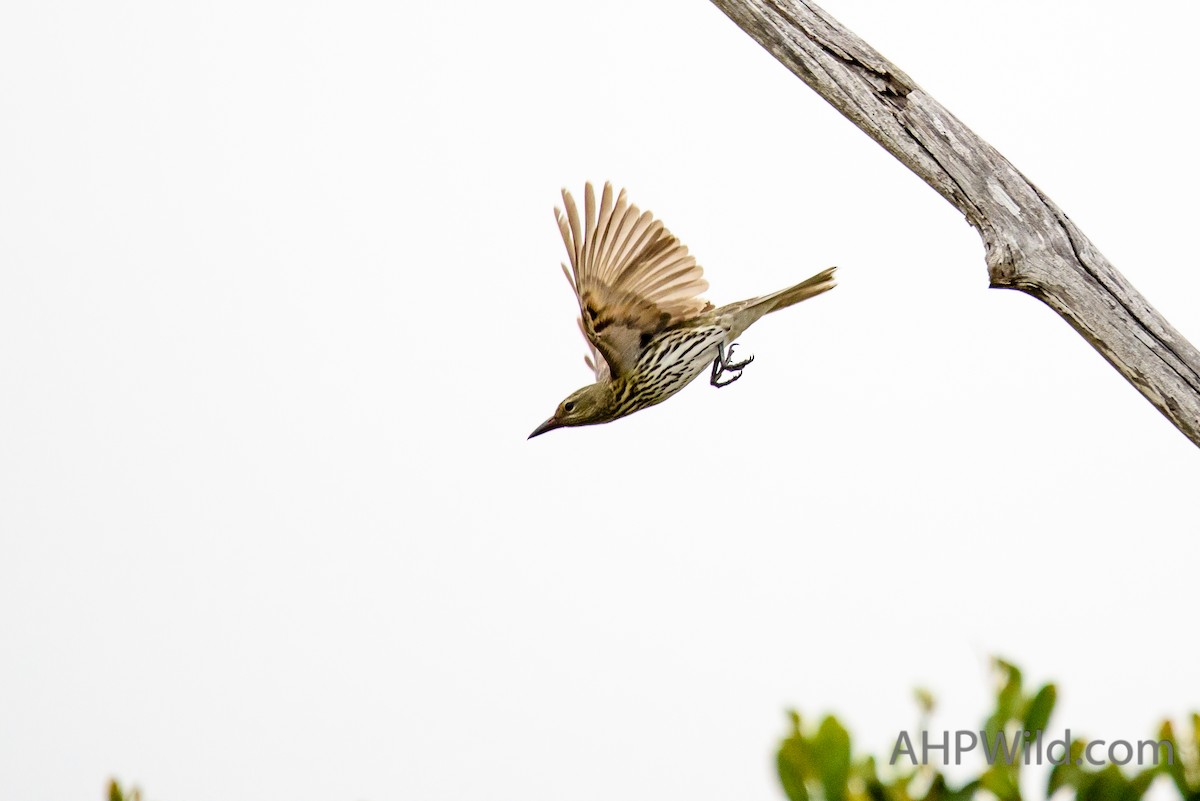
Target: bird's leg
x=722, y=365
x=716, y=372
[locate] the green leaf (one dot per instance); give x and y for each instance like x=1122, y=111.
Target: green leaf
x=1106, y=785
x=1194, y=793
x=967, y=791
x=791, y=776
x=867, y=771
x=831, y=755
x=1037, y=715
x=1008, y=699
x=1059, y=776
x=1067, y=772
x=1000, y=781
x=1175, y=768
x=792, y=762
x=1139, y=784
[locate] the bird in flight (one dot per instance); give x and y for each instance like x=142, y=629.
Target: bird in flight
x=649, y=331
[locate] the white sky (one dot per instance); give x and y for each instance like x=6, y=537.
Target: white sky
x=280, y=303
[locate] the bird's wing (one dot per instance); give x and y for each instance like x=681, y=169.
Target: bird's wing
x=595, y=362
x=632, y=277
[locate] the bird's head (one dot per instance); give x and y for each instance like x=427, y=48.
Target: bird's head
x=583, y=407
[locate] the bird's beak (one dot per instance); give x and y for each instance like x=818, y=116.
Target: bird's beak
x=549, y=425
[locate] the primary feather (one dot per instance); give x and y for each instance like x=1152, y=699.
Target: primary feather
x=632, y=277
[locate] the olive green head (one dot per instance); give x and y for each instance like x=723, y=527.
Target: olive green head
x=583, y=407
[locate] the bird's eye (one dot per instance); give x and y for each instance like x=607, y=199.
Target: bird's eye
x=569, y=407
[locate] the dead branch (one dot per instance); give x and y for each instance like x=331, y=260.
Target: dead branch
x=1031, y=244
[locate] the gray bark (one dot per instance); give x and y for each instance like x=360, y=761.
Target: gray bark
x=1031, y=245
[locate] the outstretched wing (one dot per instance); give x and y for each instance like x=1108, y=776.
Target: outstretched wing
x=632, y=277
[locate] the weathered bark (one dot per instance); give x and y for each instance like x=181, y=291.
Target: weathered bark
x=1030, y=243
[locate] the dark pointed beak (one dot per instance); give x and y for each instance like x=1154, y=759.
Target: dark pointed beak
x=549, y=425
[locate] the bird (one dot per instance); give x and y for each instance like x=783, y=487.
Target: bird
x=649, y=332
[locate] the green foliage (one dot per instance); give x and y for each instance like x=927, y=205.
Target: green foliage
x=823, y=758
x=1185, y=773
x=820, y=766
x=116, y=794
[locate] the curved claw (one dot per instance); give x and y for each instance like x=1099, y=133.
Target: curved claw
x=737, y=365
x=727, y=362
x=717, y=382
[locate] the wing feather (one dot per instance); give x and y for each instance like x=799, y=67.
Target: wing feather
x=631, y=276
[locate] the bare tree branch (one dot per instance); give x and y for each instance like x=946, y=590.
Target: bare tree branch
x=1031, y=244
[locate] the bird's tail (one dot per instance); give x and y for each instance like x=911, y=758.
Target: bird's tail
x=740, y=316
x=821, y=282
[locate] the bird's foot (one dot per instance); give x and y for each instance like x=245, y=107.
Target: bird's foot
x=717, y=382
x=728, y=365
x=723, y=365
